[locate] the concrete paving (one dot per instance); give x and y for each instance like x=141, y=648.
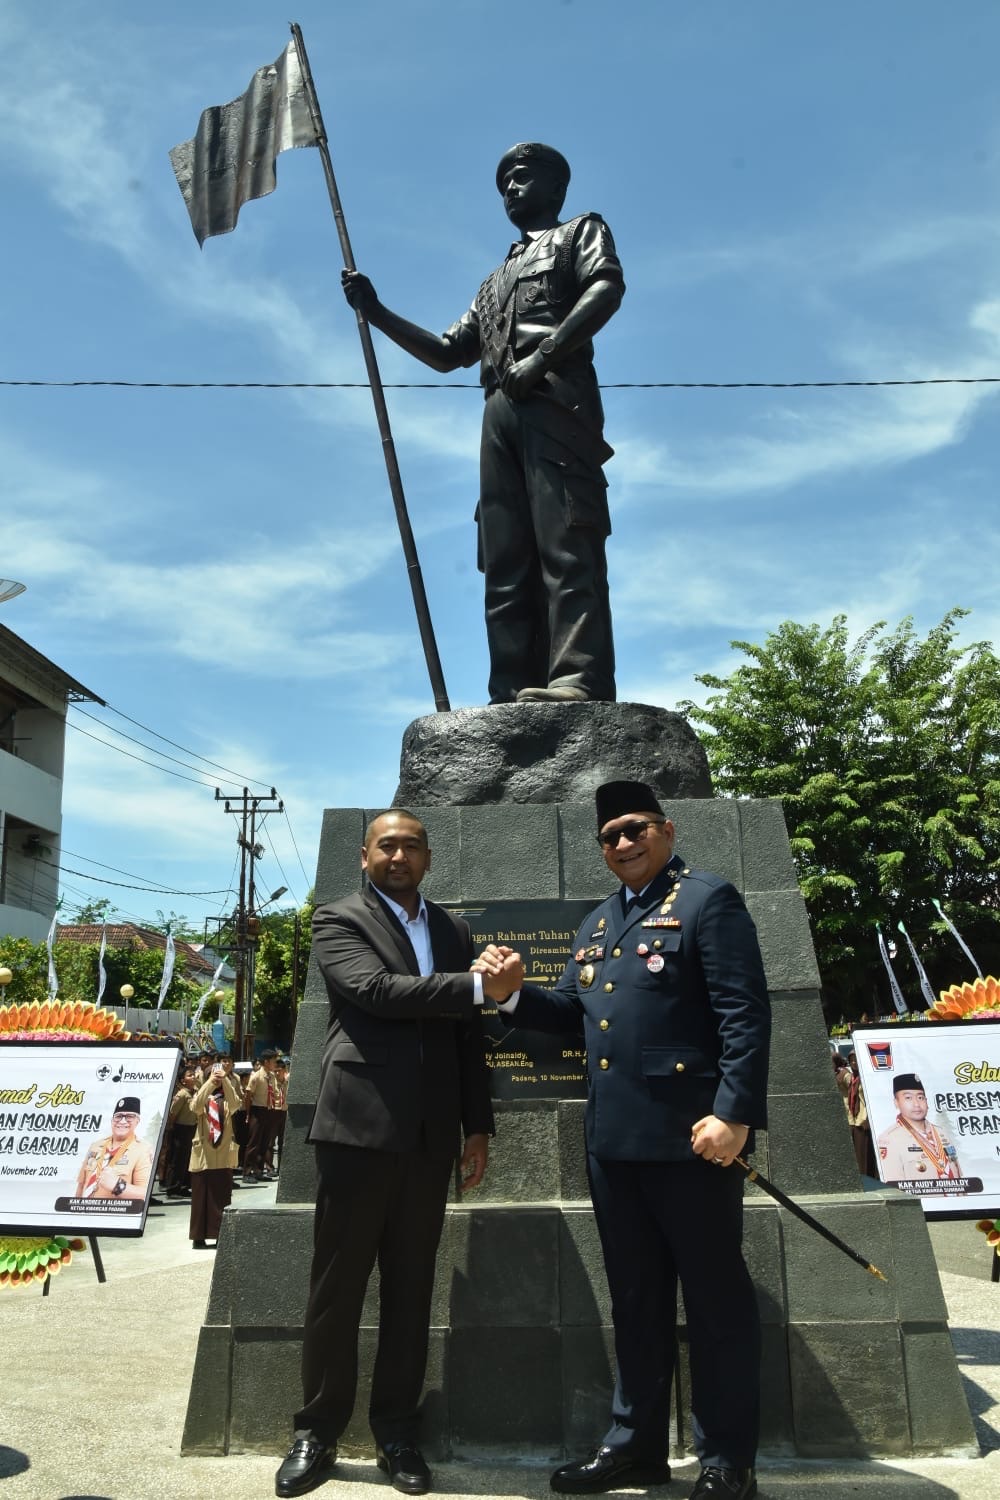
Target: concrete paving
x=95, y=1385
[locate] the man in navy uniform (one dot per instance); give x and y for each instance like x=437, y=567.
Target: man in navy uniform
x=543, y=508
x=667, y=983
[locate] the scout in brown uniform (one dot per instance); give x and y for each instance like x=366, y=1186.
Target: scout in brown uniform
x=258, y=1102
x=181, y=1124
x=913, y=1150
x=119, y=1166
x=214, y=1154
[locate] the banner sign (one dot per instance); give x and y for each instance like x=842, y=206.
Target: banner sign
x=81, y=1125
x=933, y=1096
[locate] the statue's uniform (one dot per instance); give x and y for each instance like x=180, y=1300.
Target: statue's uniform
x=904, y=1158
x=543, y=509
x=673, y=1003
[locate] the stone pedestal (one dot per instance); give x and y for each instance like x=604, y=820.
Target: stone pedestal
x=521, y=1353
x=548, y=752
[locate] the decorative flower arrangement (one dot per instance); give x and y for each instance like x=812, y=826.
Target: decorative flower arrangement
x=25, y=1260
x=991, y=1229
x=60, y=1021
x=28, y=1259
x=976, y=1000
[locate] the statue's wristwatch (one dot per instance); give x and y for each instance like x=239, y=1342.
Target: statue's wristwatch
x=547, y=348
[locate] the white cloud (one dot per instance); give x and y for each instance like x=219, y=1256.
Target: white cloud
x=273, y=605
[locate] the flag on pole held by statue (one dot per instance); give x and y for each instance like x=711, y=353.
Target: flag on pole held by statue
x=231, y=158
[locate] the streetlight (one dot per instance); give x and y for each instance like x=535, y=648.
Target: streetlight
x=6, y=975
x=126, y=993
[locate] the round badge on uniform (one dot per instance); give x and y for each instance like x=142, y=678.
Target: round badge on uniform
x=655, y=962
x=587, y=975
x=642, y=950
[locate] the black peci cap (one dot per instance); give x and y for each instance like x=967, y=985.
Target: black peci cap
x=616, y=798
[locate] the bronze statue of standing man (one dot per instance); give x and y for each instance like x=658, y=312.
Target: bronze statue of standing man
x=543, y=509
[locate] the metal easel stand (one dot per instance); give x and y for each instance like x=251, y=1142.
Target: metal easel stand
x=95, y=1251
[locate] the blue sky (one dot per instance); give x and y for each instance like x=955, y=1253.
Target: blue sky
x=798, y=192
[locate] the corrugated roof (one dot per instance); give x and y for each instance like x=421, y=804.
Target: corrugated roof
x=33, y=664
x=130, y=935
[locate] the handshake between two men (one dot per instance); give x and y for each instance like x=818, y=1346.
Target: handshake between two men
x=502, y=968
x=665, y=983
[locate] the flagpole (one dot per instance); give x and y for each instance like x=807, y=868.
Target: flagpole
x=431, y=657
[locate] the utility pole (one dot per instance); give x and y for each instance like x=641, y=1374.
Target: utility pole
x=245, y=922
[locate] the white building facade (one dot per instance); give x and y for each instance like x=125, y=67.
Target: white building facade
x=34, y=695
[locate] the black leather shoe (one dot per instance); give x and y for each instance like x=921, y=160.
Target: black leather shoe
x=725, y=1484
x=305, y=1465
x=609, y=1469
x=405, y=1466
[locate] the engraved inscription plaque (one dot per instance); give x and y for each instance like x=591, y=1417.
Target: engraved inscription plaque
x=531, y=1064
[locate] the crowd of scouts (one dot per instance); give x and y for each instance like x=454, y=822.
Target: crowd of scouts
x=219, y=1128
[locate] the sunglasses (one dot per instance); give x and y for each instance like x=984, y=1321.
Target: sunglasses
x=631, y=831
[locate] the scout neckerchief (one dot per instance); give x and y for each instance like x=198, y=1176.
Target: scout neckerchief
x=932, y=1148
x=216, y=1120
x=108, y=1158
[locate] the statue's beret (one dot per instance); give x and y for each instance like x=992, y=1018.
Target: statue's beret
x=532, y=151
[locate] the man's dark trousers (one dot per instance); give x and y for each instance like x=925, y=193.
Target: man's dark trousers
x=370, y=1205
x=661, y=1222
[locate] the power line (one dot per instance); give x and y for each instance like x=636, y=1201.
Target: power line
x=156, y=890
x=295, y=846
x=467, y=385
x=165, y=769
x=133, y=741
x=277, y=861
x=193, y=753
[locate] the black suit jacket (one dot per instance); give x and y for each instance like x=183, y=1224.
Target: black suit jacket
x=404, y=1064
x=673, y=1033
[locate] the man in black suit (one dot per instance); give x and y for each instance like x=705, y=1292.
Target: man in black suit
x=403, y=1073
x=667, y=984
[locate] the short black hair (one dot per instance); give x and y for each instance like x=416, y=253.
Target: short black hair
x=395, y=812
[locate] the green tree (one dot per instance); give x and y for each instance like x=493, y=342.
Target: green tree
x=885, y=753
x=274, y=1005
x=77, y=973
x=178, y=924
x=101, y=909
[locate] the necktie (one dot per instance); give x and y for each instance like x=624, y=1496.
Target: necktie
x=213, y=1111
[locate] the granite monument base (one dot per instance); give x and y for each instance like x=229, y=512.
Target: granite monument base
x=521, y=1355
